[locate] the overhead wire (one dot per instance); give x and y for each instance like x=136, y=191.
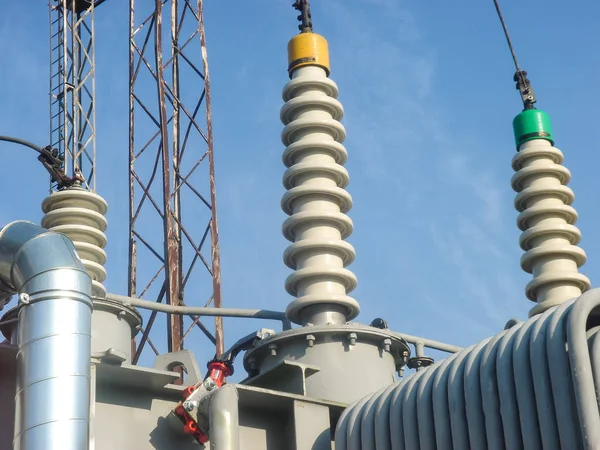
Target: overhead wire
x=520, y=77
x=507, y=35
x=15, y=140
x=52, y=162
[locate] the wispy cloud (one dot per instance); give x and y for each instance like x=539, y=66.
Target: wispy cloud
x=477, y=283
x=385, y=81
x=479, y=182
x=482, y=241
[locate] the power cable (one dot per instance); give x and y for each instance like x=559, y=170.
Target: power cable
x=52, y=162
x=15, y=140
x=508, y=40
x=520, y=77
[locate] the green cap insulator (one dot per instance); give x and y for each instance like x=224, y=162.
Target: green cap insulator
x=532, y=124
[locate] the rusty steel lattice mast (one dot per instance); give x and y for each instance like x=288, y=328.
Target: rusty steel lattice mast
x=173, y=216
x=72, y=87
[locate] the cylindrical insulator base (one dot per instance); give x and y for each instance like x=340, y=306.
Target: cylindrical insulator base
x=547, y=220
x=316, y=201
x=79, y=214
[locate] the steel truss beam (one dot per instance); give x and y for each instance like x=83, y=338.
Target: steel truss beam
x=173, y=232
x=72, y=87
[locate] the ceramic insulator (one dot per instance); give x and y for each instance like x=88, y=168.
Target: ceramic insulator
x=79, y=214
x=316, y=199
x=547, y=220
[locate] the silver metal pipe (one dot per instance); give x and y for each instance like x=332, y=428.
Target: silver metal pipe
x=224, y=423
x=202, y=311
x=54, y=337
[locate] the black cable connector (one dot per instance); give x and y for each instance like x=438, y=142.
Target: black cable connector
x=52, y=162
x=525, y=89
x=305, y=17
x=520, y=77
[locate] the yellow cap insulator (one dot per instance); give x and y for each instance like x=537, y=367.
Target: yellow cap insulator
x=308, y=49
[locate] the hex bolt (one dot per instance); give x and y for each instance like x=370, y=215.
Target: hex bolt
x=310, y=339
x=189, y=406
x=209, y=384
x=387, y=344
x=252, y=363
x=24, y=298
x=352, y=338
x=273, y=349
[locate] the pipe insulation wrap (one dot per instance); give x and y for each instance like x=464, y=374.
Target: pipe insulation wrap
x=54, y=337
x=316, y=199
x=547, y=221
x=533, y=386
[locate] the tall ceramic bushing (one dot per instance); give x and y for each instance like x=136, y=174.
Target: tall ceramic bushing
x=346, y=360
x=546, y=217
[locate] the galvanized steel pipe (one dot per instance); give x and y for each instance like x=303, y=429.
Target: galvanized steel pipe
x=54, y=337
x=533, y=386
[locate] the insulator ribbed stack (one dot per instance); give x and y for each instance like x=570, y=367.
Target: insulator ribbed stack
x=547, y=220
x=79, y=214
x=316, y=199
x=532, y=386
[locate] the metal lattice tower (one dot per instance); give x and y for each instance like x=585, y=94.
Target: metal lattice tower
x=173, y=241
x=74, y=208
x=72, y=87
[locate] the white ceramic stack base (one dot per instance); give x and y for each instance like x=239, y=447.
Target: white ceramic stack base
x=79, y=214
x=547, y=220
x=316, y=201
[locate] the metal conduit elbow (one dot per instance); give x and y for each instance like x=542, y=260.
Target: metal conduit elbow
x=54, y=337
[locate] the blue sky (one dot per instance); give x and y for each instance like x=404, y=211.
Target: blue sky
x=429, y=101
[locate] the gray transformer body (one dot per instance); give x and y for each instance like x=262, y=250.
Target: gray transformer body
x=300, y=382
x=131, y=406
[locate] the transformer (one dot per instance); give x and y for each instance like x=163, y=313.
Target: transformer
x=327, y=382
